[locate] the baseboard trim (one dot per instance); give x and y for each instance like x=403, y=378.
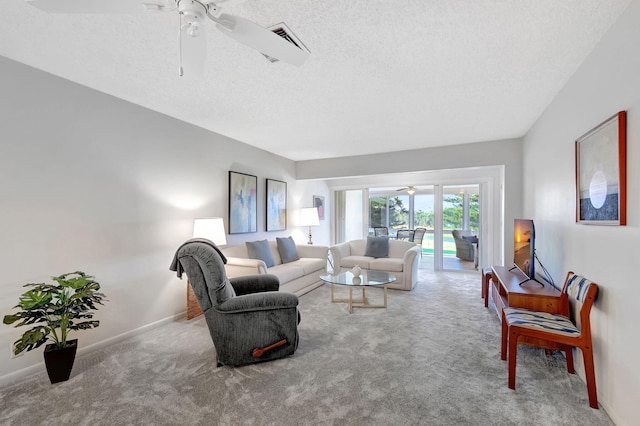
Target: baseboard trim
x=17, y=376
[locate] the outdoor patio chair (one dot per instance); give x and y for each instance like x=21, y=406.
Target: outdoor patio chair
x=464, y=245
x=380, y=231
x=404, y=234
x=418, y=235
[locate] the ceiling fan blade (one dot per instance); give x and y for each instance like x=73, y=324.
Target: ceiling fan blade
x=226, y=3
x=192, y=45
x=260, y=39
x=89, y=6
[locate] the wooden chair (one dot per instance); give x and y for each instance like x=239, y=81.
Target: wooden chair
x=570, y=329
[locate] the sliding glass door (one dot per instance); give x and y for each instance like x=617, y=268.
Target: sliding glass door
x=398, y=210
x=423, y=216
x=449, y=213
x=460, y=226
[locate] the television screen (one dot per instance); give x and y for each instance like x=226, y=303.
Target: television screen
x=524, y=246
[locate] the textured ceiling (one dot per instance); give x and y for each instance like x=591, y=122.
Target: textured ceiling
x=382, y=76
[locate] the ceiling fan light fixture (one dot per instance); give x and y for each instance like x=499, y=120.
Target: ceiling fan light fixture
x=192, y=12
x=192, y=45
x=193, y=29
x=411, y=191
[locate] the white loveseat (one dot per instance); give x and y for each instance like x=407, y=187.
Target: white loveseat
x=402, y=260
x=299, y=276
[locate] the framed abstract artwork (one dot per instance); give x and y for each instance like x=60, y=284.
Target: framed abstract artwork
x=318, y=202
x=276, y=205
x=243, y=199
x=601, y=173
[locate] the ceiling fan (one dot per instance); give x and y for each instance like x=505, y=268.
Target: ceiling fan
x=191, y=37
x=410, y=190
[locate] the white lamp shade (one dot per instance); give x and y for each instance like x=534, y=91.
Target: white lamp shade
x=211, y=228
x=309, y=217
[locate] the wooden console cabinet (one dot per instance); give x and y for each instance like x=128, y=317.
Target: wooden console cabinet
x=505, y=291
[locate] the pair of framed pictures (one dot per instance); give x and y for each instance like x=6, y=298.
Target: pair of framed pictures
x=243, y=204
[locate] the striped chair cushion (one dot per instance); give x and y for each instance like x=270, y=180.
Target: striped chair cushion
x=556, y=324
x=577, y=287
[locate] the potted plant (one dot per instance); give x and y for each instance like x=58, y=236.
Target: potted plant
x=54, y=310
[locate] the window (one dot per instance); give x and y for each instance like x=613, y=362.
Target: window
x=389, y=211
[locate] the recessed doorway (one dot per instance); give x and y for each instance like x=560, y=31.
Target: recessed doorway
x=440, y=210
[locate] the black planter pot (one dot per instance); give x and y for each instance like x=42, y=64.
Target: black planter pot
x=59, y=361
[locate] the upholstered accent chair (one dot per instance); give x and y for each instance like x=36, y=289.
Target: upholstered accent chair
x=464, y=247
x=248, y=318
x=570, y=329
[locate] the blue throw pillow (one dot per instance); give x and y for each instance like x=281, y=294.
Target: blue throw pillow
x=287, y=249
x=260, y=250
x=471, y=239
x=377, y=247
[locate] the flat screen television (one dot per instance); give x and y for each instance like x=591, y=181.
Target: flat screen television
x=524, y=236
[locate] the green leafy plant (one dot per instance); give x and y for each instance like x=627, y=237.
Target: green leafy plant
x=56, y=309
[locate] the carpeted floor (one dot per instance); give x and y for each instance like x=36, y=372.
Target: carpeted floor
x=431, y=358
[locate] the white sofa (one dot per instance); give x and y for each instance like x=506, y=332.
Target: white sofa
x=402, y=260
x=299, y=276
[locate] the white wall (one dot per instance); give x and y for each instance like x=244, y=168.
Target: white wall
x=90, y=182
x=607, y=82
x=353, y=217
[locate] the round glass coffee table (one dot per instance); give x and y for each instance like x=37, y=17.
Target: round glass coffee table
x=367, y=278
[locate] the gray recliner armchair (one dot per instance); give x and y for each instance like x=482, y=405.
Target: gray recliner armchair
x=248, y=318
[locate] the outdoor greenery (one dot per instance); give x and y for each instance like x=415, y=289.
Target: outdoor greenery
x=423, y=219
x=55, y=309
x=399, y=214
x=452, y=215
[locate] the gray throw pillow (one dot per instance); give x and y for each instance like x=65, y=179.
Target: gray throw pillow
x=260, y=250
x=471, y=238
x=377, y=247
x=287, y=249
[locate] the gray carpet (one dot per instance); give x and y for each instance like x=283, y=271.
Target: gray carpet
x=431, y=358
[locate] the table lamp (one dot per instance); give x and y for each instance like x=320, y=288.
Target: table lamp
x=309, y=217
x=211, y=228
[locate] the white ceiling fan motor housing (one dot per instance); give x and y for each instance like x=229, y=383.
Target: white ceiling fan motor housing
x=193, y=13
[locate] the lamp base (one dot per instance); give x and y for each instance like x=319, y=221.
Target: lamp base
x=310, y=241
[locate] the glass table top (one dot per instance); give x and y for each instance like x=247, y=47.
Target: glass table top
x=366, y=278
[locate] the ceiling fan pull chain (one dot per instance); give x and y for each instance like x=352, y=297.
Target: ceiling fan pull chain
x=180, y=70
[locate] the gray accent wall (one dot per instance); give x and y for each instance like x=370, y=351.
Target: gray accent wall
x=90, y=182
